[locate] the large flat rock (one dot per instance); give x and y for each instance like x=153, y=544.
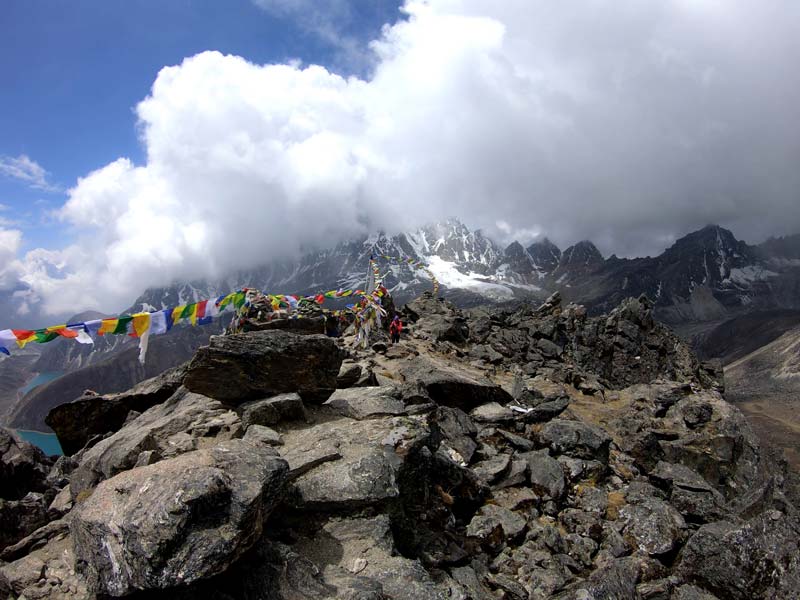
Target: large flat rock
x=345, y=463
x=448, y=385
x=258, y=364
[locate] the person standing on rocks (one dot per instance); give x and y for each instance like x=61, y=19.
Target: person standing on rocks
x=395, y=328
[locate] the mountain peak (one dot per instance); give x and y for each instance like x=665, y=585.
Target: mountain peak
x=545, y=254
x=582, y=253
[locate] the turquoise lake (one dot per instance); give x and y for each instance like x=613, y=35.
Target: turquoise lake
x=48, y=442
x=40, y=379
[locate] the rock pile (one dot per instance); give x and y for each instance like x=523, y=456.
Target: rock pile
x=518, y=455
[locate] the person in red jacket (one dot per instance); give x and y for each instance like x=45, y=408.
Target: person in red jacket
x=395, y=327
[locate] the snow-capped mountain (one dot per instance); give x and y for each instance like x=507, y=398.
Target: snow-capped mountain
x=706, y=276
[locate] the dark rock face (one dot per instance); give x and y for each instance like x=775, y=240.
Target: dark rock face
x=19, y=518
x=23, y=467
x=92, y=414
x=177, y=521
x=246, y=366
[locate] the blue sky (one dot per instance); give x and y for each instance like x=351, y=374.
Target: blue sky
x=72, y=73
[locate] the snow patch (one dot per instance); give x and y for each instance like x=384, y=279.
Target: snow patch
x=448, y=274
x=749, y=274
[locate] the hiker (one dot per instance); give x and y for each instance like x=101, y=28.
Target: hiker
x=395, y=328
x=331, y=326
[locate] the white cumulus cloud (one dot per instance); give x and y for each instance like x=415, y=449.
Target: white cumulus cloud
x=625, y=126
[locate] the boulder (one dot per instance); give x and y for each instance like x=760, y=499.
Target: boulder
x=340, y=558
x=181, y=424
x=246, y=366
x=759, y=558
x=349, y=374
x=692, y=495
x=491, y=517
x=366, y=402
x=177, y=521
x=449, y=386
x=271, y=411
x=545, y=473
x=576, y=439
x=616, y=579
x=444, y=328
x=455, y=429
x=355, y=463
x=653, y=526
x=259, y=434
x=75, y=423
x=490, y=470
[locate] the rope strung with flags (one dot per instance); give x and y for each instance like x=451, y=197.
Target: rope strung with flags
x=142, y=325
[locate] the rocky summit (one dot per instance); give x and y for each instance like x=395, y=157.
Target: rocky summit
x=532, y=453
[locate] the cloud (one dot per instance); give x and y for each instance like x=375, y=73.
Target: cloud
x=626, y=127
x=10, y=240
x=28, y=171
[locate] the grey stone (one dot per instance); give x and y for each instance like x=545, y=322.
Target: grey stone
x=516, y=475
x=575, y=438
x=654, y=526
x=259, y=434
x=490, y=516
x=271, y=411
x=177, y=521
x=366, y=402
x=349, y=374
x=547, y=410
x=546, y=476
x=548, y=348
x=691, y=592
x=20, y=518
x=517, y=441
x=756, y=559
x=616, y=579
x=193, y=418
x=37, y=539
x=492, y=469
x=515, y=498
x=366, y=545
x=592, y=499
x=371, y=455
x=492, y=412
x=450, y=386
x=453, y=427
x=692, y=495
x=92, y=414
x=246, y=366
